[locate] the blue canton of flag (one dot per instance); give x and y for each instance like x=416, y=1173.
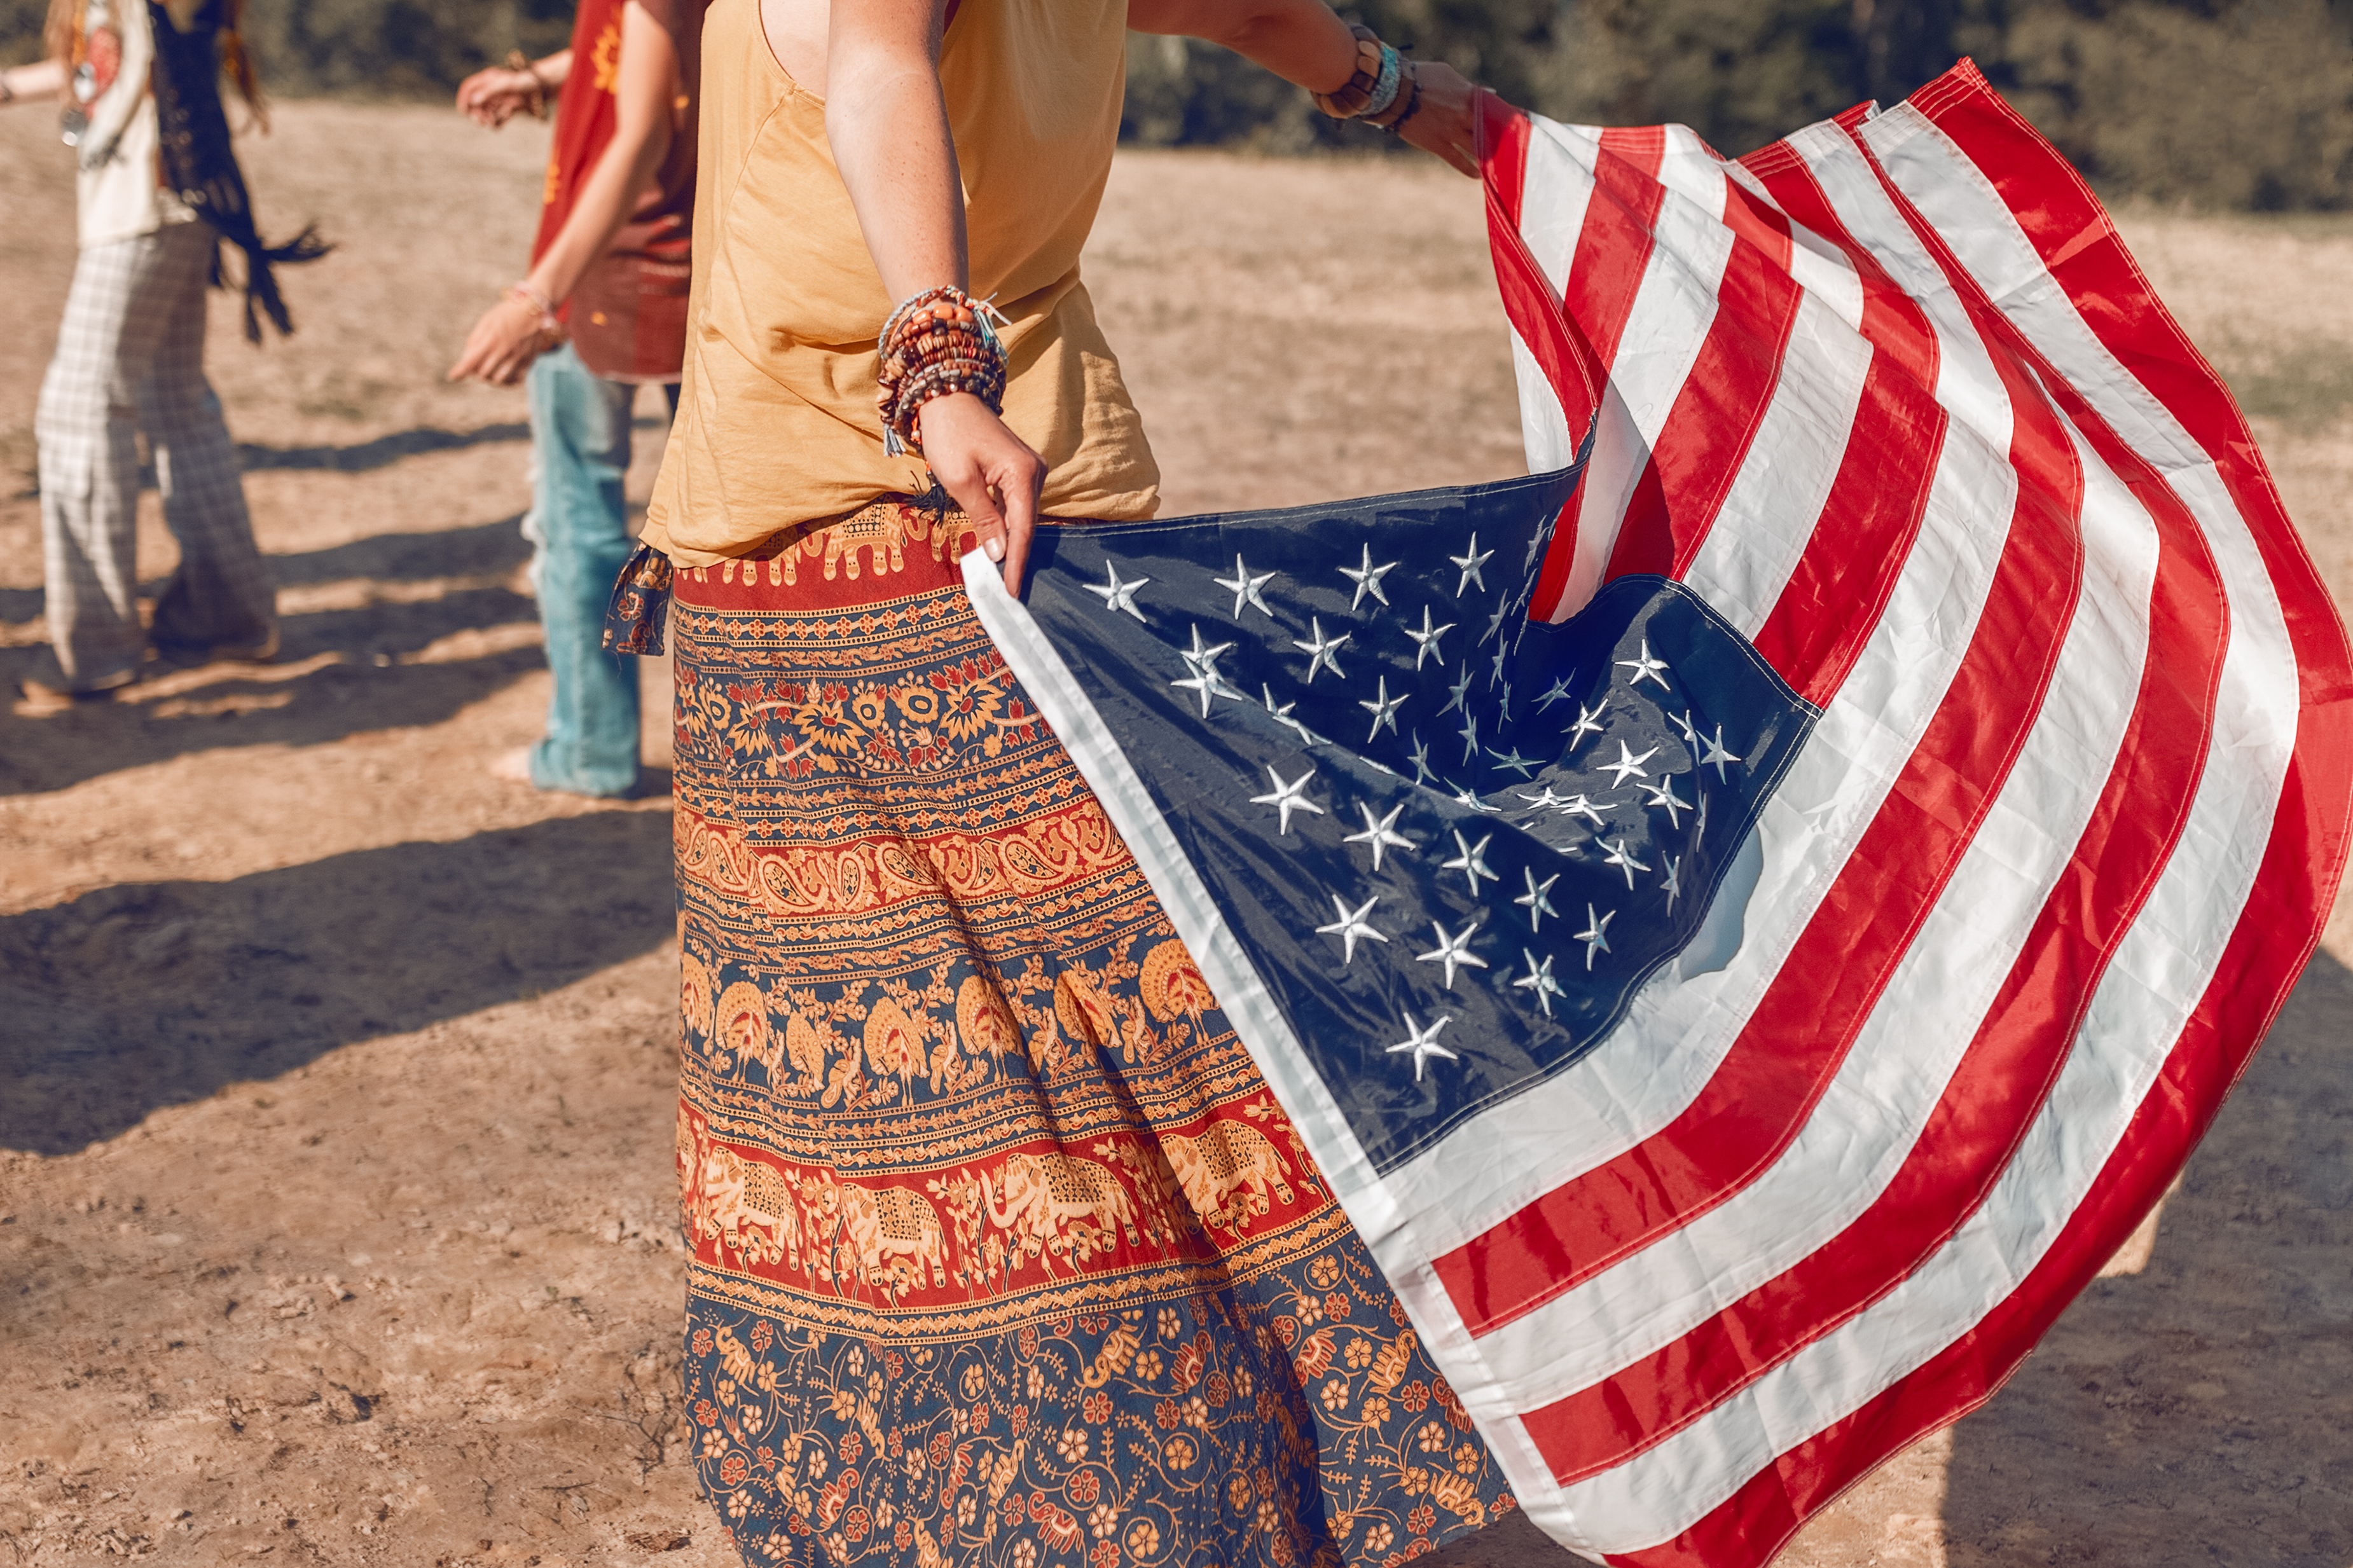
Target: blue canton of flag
x=1434, y=846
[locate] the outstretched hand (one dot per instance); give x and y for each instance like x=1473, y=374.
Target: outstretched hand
x=502, y=344
x=1447, y=123
x=991, y=473
x=493, y=96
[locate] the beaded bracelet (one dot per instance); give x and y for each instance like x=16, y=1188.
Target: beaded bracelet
x=1374, y=87
x=936, y=342
x=550, y=328
x=1395, y=125
x=519, y=61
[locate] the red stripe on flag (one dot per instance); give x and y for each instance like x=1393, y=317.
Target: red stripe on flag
x=1707, y=433
x=1827, y=611
x=1768, y=1083
x=1557, y=343
x=1613, y=249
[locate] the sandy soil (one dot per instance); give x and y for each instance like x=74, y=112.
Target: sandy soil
x=335, y=1072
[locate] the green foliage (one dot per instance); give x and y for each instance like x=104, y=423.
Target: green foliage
x=359, y=48
x=2246, y=106
x=395, y=49
x=2233, y=104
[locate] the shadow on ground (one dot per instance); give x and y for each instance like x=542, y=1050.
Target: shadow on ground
x=339, y=671
x=2204, y=1405
x=382, y=452
x=139, y=997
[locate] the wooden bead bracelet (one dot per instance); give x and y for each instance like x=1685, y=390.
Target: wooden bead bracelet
x=936, y=342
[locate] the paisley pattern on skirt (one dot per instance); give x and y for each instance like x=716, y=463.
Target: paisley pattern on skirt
x=1003, y=1252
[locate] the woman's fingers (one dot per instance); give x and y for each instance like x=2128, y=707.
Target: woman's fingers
x=499, y=348
x=991, y=473
x=1019, y=491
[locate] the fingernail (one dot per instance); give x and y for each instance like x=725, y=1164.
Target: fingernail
x=995, y=548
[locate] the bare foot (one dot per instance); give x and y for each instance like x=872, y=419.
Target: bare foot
x=513, y=766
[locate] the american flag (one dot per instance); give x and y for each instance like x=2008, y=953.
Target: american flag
x=1750, y=917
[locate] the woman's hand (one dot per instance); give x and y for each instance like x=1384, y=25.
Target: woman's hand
x=497, y=94
x=503, y=344
x=990, y=471
x=1447, y=123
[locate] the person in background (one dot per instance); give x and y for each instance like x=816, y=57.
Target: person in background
x=602, y=310
x=158, y=190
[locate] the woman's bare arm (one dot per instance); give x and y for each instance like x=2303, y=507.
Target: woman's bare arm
x=43, y=79
x=889, y=129
x=496, y=94
x=501, y=346
x=1301, y=41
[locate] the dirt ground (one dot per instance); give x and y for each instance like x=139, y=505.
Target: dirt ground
x=335, y=1072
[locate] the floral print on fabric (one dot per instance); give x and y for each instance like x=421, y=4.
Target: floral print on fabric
x=1004, y=1253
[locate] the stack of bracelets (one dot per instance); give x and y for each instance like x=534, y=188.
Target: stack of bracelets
x=1385, y=92
x=935, y=342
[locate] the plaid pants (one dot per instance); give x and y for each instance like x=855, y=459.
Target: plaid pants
x=130, y=358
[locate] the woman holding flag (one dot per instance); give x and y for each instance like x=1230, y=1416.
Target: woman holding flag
x=1002, y=1247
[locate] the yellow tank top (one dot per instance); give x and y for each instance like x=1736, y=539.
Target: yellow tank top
x=776, y=426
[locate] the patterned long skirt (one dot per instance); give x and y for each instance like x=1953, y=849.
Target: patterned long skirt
x=1003, y=1253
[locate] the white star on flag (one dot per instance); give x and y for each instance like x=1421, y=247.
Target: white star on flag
x=1469, y=863
x=1662, y=794
x=1716, y=755
x=1581, y=806
x=1645, y=667
x=1619, y=858
x=1524, y=766
x=1453, y=952
x=1471, y=561
x=1459, y=694
x=1117, y=594
x=1628, y=764
x=1425, y=641
x=1283, y=716
x=1539, y=980
x=1381, y=833
x=1588, y=721
x=1287, y=798
x=1205, y=679
x=1351, y=926
x=1367, y=579
x=1423, y=1043
x=1468, y=797
x=1246, y=588
x=1383, y=708
x=1674, y=882
x=1535, y=899
x=1558, y=692
x=1596, y=935
x=1320, y=650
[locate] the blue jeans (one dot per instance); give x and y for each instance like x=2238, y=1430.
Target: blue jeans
x=579, y=527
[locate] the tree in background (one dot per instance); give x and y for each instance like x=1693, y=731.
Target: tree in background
x=2229, y=104
x=360, y=48
x=2237, y=104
